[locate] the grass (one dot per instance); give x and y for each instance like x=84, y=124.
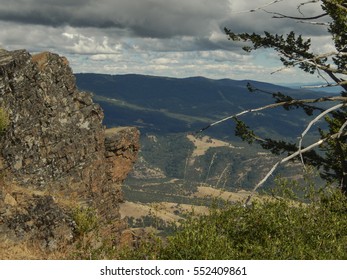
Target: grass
x=276, y=228
x=285, y=224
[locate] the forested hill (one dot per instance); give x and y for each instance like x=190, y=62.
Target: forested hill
x=172, y=162
x=170, y=105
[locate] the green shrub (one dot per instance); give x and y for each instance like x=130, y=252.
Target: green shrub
x=4, y=119
x=271, y=229
x=86, y=220
x=312, y=225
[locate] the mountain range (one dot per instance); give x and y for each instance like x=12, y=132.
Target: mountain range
x=169, y=105
x=174, y=161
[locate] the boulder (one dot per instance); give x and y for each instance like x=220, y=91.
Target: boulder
x=55, y=153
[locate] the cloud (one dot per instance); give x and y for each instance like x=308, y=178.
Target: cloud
x=242, y=20
x=173, y=37
x=145, y=18
x=173, y=25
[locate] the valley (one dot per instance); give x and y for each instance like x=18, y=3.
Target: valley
x=178, y=169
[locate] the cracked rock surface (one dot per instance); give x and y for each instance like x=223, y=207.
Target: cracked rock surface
x=55, y=154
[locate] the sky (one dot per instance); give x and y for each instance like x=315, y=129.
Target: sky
x=174, y=38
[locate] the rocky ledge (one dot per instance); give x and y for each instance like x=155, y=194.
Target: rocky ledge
x=55, y=154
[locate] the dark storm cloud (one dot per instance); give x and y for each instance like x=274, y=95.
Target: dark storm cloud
x=54, y=13
x=159, y=37
x=171, y=21
x=147, y=18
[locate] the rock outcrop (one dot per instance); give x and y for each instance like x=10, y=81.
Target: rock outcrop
x=55, y=154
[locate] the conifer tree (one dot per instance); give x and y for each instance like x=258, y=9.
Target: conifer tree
x=330, y=155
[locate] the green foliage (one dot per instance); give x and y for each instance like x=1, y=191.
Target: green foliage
x=148, y=249
x=244, y=132
x=275, y=228
x=337, y=28
x=336, y=150
x=295, y=51
x=4, y=120
x=292, y=222
x=86, y=220
x=89, y=244
x=291, y=46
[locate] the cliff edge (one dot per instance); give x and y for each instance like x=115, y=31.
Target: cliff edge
x=55, y=154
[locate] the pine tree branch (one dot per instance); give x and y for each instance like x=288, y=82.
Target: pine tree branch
x=294, y=51
x=336, y=4
x=314, y=61
x=288, y=158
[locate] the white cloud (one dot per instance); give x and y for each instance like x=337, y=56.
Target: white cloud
x=169, y=38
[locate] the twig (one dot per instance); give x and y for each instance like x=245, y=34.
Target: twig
x=306, y=3
x=260, y=8
x=279, y=15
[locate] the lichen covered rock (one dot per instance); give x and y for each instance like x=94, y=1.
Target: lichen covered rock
x=55, y=152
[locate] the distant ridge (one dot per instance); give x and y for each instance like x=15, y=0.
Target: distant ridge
x=166, y=104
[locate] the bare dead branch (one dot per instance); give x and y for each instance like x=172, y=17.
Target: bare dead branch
x=298, y=8
x=314, y=22
x=315, y=120
x=304, y=4
x=300, y=150
x=314, y=61
x=327, y=85
x=261, y=7
x=343, y=127
x=279, y=15
x=275, y=105
x=288, y=158
x=304, y=18
x=325, y=79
